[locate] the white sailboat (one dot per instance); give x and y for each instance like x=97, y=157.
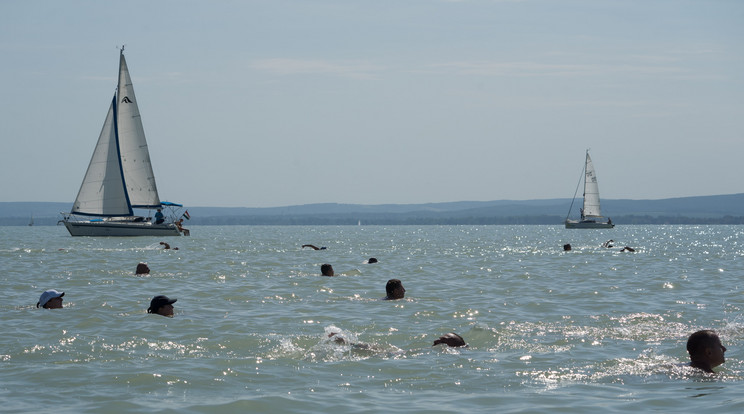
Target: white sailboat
x=119, y=177
x=591, y=216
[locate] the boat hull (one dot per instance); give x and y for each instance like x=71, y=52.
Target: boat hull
x=588, y=224
x=121, y=229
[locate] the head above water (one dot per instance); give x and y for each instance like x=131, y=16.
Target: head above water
x=50, y=299
x=161, y=305
x=706, y=350
x=394, y=289
x=142, y=269
x=326, y=269
x=451, y=339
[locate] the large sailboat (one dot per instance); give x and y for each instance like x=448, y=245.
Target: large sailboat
x=119, y=178
x=591, y=216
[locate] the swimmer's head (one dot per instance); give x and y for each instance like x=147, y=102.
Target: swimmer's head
x=450, y=339
x=142, y=269
x=394, y=289
x=326, y=269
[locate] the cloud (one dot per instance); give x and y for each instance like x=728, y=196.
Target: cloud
x=356, y=70
x=364, y=70
x=532, y=69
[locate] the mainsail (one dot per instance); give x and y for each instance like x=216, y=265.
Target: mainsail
x=591, y=217
x=102, y=192
x=591, y=190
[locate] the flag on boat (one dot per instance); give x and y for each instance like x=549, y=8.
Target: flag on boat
x=186, y=214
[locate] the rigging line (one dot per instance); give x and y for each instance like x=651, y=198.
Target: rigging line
x=576, y=192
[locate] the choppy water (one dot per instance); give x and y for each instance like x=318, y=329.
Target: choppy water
x=548, y=331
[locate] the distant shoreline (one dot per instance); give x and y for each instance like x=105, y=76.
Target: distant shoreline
x=718, y=209
x=470, y=221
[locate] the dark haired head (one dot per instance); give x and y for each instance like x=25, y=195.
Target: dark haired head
x=451, y=339
x=394, y=289
x=326, y=269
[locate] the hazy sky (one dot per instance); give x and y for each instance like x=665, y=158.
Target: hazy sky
x=281, y=102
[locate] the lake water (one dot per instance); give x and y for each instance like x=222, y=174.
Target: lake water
x=548, y=331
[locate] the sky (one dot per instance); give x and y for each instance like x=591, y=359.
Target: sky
x=287, y=102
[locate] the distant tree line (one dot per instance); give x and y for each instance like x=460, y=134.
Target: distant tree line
x=391, y=220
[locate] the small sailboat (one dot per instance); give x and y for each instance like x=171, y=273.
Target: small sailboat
x=120, y=178
x=591, y=217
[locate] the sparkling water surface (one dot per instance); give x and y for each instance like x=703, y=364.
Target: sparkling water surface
x=548, y=331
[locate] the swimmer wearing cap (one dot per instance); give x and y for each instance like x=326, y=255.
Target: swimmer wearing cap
x=50, y=299
x=162, y=305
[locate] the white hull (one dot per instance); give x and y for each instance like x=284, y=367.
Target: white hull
x=588, y=224
x=123, y=229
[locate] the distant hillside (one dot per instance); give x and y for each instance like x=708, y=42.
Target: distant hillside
x=20, y=213
x=720, y=209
